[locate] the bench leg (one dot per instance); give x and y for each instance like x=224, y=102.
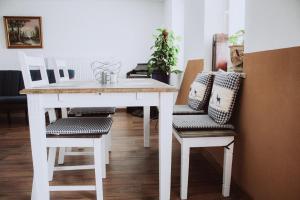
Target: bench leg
x=26, y=116
x=184, y=174
x=8, y=118
x=98, y=167
x=227, y=167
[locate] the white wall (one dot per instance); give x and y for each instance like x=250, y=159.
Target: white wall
x=215, y=21
x=236, y=17
x=194, y=29
x=272, y=24
x=85, y=30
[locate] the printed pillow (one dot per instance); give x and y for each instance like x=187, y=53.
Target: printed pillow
x=223, y=95
x=200, y=91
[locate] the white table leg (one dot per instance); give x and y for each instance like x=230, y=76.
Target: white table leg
x=33, y=190
x=165, y=144
x=146, y=126
x=38, y=147
x=227, y=167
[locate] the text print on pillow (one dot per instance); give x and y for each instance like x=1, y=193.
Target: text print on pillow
x=197, y=91
x=221, y=98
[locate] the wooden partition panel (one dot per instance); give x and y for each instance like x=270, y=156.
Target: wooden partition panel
x=267, y=153
x=192, y=69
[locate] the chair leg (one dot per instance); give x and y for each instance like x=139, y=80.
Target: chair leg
x=146, y=126
x=109, y=141
x=98, y=167
x=106, y=151
x=51, y=162
x=184, y=174
x=103, y=153
x=61, y=155
x=227, y=167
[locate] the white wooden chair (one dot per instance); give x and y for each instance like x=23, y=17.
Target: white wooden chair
x=215, y=136
x=65, y=133
x=61, y=71
x=61, y=75
x=210, y=130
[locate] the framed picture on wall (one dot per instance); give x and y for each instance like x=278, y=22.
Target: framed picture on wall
x=23, y=32
x=220, y=52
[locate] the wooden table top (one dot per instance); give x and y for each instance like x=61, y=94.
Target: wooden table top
x=122, y=86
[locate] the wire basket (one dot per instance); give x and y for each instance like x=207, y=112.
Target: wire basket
x=106, y=72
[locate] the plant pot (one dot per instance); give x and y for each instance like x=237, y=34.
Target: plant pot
x=160, y=76
x=237, y=56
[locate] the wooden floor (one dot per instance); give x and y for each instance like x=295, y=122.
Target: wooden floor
x=132, y=173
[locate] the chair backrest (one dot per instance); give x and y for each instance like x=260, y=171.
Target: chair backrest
x=192, y=69
x=61, y=70
x=29, y=63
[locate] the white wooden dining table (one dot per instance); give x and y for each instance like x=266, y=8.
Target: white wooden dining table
x=126, y=92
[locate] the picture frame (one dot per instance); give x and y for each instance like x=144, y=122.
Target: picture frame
x=220, y=51
x=23, y=31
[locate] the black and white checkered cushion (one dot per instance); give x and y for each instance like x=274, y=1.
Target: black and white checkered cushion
x=200, y=91
x=197, y=122
x=222, y=100
x=185, y=110
x=90, y=111
x=80, y=126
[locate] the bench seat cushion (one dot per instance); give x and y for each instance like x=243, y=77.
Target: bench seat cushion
x=90, y=111
x=80, y=126
x=186, y=110
x=197, y=122
x=13, y=99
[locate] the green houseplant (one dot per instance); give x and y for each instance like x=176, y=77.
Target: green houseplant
x=163, y=60
x=236, y=42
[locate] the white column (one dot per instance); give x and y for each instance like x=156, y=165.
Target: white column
x=165, y=144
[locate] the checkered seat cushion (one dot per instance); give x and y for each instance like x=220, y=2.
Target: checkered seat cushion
x=185, y=110
x=222, y=100
x=200, y=91
x=197, y=122
x=80, y=126
x=92, y=111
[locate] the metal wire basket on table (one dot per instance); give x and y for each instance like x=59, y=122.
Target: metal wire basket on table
x=106, y=72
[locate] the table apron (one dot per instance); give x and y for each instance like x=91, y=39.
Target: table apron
x=99, y=100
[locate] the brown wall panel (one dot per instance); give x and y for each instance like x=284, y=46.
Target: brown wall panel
x=267, y=151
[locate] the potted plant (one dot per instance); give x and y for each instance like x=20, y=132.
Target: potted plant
x=163, y=60
x=236, y=42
